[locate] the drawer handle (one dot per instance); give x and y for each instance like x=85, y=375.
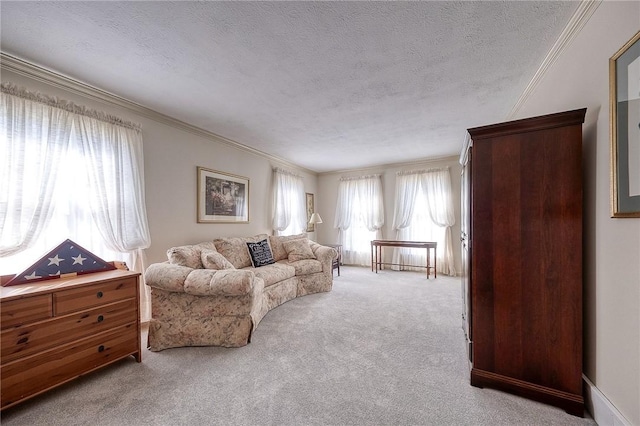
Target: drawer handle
x=99, y=295
x=100, y=348
x=100, y=318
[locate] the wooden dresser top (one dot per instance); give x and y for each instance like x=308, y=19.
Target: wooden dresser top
x=47, y=286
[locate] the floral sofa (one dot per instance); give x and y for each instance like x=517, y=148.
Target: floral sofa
x=216, y=293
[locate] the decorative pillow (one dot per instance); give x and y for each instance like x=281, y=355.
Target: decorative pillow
x=277, y=247
x=234, y=249
x=188, y=256
x=260, y=253
x=298, y=249
x=214, y=260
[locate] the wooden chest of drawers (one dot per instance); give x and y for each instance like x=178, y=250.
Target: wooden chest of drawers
x=55, y=331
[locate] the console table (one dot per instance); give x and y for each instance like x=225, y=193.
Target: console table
x=377, y=257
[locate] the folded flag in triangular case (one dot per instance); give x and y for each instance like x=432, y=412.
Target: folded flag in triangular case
x=67, y=258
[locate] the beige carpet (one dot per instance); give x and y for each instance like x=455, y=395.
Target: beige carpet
x=383, y=349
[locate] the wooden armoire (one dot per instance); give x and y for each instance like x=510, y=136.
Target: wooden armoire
x=522, y=257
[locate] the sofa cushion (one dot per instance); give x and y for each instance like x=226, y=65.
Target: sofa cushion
x=189, y=255
x=235, y=249
x=260, y=253
x=274, y=273
x=305, y=266
x=207, y=282
x=298, y=250
x=277, y=244
x=214, y=260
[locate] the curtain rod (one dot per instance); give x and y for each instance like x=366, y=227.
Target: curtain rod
x=419, y=172
x=360, y=177
x=52, y=101
x=286, y=172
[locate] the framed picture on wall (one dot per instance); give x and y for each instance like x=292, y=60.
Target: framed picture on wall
x=311, y=227
x=222, y=197
x=624, y=89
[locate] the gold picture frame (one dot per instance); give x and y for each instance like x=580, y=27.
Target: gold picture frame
x=222, y=197
x=311, y=227
x=624, y=90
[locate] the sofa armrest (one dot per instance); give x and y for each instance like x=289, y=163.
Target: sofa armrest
x=326, y=255
x=226, y=282
x=166, y=276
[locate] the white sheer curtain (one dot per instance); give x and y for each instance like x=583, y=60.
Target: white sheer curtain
x=424, y=212
x=113, y=159
x=359, y=217
x=29, y=169
x=69, y=172
x=289, y=211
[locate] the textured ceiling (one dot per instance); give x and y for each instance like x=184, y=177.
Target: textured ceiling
x=325, y=85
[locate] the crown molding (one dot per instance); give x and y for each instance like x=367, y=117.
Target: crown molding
x=579, y=19
x=38, y=73
x=372, y=169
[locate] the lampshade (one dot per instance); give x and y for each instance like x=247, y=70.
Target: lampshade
x=315, y=218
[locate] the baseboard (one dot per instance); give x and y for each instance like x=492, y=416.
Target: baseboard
x=601, y=409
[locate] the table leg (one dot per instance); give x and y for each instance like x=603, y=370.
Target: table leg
x=428, y=263
x=435, y=262
x=371, y=256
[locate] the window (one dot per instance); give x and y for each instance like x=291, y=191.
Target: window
x=359, y=217
x=424, y=212
x=289, y=204
x=356, y=240
x=422, y=228
x=70, y=216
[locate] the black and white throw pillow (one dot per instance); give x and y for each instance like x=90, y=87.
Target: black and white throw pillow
x=260, y=253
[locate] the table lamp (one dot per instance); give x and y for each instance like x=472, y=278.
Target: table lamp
x=315, y=218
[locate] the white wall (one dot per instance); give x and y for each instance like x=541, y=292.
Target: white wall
x=328, y=196
x=171, y=158
x=580, y=78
